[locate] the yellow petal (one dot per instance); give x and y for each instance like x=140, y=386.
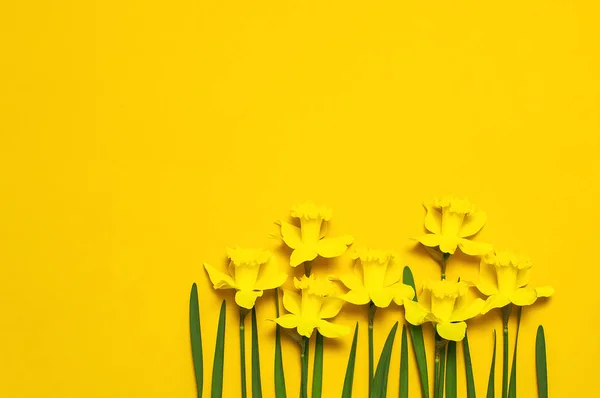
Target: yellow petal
x=442, y=307
x=452, y=331
x=247, y=298
x=495, y=301
x=472, y=224
x=523, y=277
x=220, y=280
x=245, y=276
x=292, y=302
x=488, y=284
x=270, y=279
x=448, y=244
x=474, y=248
x=333, y=247
x=330, y=307
x=351, y=281
x=288, y=321
x=402, y=292
x=393, y=274
x=332, y=330
x=291, y=235
x=305, y=327
x=382, y=297
x=544, y=291
x=523, y=296
x=302, y=254
x=425, y=300
x=414, y=313
x=356, y=296
x=433, y=219
x=429, y=240
x=466, y=311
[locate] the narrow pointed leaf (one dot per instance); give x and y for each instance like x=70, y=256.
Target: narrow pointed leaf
x=196, y=339
x=540, y=363
x=256, y=386
x=317, y=385
x=218, y=363
x=349, y=378
x=512, y=386
x=491, y=390
x=418, y=343
x=468, y=368
x=383, y=366
x=279, y=376
x=404, y=365
x=439, y=388
x=451, y=381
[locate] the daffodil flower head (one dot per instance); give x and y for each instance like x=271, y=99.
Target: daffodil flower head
x=503, y=276
x=308, y=240
x=375, y=278
x=317, y=302
x=447, y=305
x=451, y=221
x=250, y=272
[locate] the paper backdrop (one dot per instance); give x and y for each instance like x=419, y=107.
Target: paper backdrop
x=138, y=139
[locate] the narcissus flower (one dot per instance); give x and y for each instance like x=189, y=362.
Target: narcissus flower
x=375, y=278
x=451, y=221
x=447, y=305
x=250, y=272
x=317, y=302
x=308, y=241
x=503, y=277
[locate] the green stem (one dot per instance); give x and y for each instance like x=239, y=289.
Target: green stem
x=440, y=363
x=444, y=259
x=243, y=313
x=304, y=362
x=505, y=317
x=372, y=310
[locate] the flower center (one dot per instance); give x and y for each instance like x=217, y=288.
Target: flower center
x=310, y=229
x=451, y=222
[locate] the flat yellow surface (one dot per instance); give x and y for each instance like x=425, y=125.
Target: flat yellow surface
x=139, y=138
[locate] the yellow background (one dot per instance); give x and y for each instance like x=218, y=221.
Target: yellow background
x=140, y=138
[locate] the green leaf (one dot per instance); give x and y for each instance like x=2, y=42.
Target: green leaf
x=256, y=387
x=540, y=363
x=451, y=370
x=512, y=387
x=217, y=373
x=418, y=342
x=279, y=376
x=491, y=390
x=404, y=365
x=468, y=368
x=439, y=386
x=317, y=385
x=349, y=378
x=383, y=366
x=196, y=339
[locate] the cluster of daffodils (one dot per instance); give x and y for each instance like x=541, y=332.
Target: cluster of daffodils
x=375, y=279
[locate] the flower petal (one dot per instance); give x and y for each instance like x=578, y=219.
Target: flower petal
x=429, y=240
x=330, y=307
x=247, y=298
x=302, y=254
x=523, y=296
x=433, y=219
x=351, y=281
x=332, y=330
x=402, y=292
x=488, y=282
x=544, y=291
x=448, y=244
x=220, y=280
x=382, y=297
x=474, y=248
x=414, y=313
x=270, y=279
x=356, y=296
x=288, y=321
x=465, y=311
x=452, y=331
x=333, y=247
x=305, y=327
x=291, y=235
x=495, y=301
x=523, y=277
x=292, y=302
x=472, y=224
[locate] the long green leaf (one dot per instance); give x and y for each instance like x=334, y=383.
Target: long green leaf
x=196, y=339
x=256, y=386
x=418, y=342
x=540, y=363
x=279, y=376
x=439, y=391
x=217, y=373
x=383, y=366
x=451, y=381
x=317, y=385
x=491, y=390
x=404, y=365
x=349, y=378
x=512, y=388
x=468, y=368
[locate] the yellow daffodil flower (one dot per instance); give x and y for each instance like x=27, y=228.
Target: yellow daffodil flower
x=310, y=309
x=451, y=221
x=375, y=278
x=503, y=277
x=250, y=272
x=308, y=241
x=447, y=305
